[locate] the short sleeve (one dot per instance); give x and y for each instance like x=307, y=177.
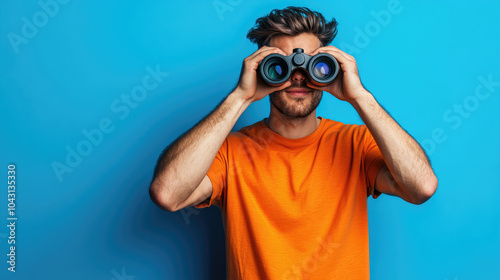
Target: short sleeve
x=373, y=162
x=217, y=175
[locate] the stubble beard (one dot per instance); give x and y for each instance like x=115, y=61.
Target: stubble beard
x=296, y=107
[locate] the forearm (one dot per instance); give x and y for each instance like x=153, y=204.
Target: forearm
x=404, y=157
x=184, y=164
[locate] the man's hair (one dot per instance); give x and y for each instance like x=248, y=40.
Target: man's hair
x=292, y=21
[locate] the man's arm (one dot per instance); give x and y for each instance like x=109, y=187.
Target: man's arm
x=407, y=173
x=179, y=178
x=183, y=165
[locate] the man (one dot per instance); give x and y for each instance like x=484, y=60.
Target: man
x=293, y=187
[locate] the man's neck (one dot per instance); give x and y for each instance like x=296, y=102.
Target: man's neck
x=292, y=128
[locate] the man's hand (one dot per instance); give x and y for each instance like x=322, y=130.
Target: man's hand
x=347, y=85
x=249, y=86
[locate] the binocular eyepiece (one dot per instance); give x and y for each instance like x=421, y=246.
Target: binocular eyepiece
x=321, y=68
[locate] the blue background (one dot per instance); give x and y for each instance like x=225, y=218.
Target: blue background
x=98, y=222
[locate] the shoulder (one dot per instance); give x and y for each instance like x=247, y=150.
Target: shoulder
x=247, y=133
x=353, y=130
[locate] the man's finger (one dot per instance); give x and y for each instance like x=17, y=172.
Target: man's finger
x=259, y=57
x=266, y=50
x=347, y=62
x=334, y=49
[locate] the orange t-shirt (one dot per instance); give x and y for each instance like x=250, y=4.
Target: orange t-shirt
x=296, y=208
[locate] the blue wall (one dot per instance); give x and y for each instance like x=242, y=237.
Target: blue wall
x=68, y=72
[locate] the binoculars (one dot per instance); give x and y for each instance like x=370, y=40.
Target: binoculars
x=321, y=68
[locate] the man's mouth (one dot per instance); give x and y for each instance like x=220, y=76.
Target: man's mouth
x=298, y=91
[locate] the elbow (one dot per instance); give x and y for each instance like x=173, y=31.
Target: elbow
x=159, y=194
x=427, y=190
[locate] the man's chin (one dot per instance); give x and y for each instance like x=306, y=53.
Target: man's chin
x=293, y=106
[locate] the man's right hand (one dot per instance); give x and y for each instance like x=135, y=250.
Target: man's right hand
x=253, y=88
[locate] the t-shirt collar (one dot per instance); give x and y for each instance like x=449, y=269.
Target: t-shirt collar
x=279, y=140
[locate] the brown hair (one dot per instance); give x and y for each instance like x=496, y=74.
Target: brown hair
x=292, y=21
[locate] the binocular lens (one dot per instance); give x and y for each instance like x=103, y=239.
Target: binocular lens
x=321, y=70
x=275, y=71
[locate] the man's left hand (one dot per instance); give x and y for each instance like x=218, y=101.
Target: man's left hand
x=347, y=85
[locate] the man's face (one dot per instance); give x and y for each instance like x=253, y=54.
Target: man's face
x=298, y=100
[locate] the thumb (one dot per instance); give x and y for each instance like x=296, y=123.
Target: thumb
x=309, y=84
x=283, y=86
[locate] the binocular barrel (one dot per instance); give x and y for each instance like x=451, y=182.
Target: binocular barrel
x=321, y=68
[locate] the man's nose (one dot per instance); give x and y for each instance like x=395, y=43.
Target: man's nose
x=298, y=75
